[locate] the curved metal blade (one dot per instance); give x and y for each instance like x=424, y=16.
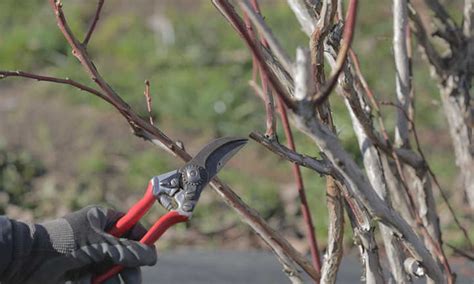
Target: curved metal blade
x=216, y=154
x=197, y=173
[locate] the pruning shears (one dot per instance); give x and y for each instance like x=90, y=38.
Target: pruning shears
x=177, y=191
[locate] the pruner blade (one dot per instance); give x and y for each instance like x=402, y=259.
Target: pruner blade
x=180, y=189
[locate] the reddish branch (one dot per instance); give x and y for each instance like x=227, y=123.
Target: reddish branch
x=315, y=255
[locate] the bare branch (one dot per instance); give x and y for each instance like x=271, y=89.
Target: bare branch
x=265, y=93
x=87, y=38
x=320, y=166
x=364, y=237
x=419, y=177
x=369, y=252
x=267, y=99
x=286, y=253
x=264, y=76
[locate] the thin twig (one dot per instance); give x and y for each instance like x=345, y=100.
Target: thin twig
x=267, y=99
x=87, y=38
x=67, y=81
x=148, y=100
x=461, y=252
x=265, y=93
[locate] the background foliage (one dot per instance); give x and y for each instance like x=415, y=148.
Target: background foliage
x=62, y=150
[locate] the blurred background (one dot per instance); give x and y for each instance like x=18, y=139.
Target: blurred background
x=61, y=149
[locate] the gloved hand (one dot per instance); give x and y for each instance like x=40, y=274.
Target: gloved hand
x=76, y=247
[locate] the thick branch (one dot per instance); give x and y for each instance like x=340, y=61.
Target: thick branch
x=363, y=191
x=403, y=80
x=375, y=172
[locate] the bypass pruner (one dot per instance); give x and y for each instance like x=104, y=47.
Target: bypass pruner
x=178, y=191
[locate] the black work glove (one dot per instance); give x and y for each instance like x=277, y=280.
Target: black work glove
x=76, y=247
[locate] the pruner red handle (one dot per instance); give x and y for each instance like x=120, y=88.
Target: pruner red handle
x=131, y=218
x=134, y=214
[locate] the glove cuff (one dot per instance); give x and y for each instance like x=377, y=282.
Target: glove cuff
x=32, y=244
